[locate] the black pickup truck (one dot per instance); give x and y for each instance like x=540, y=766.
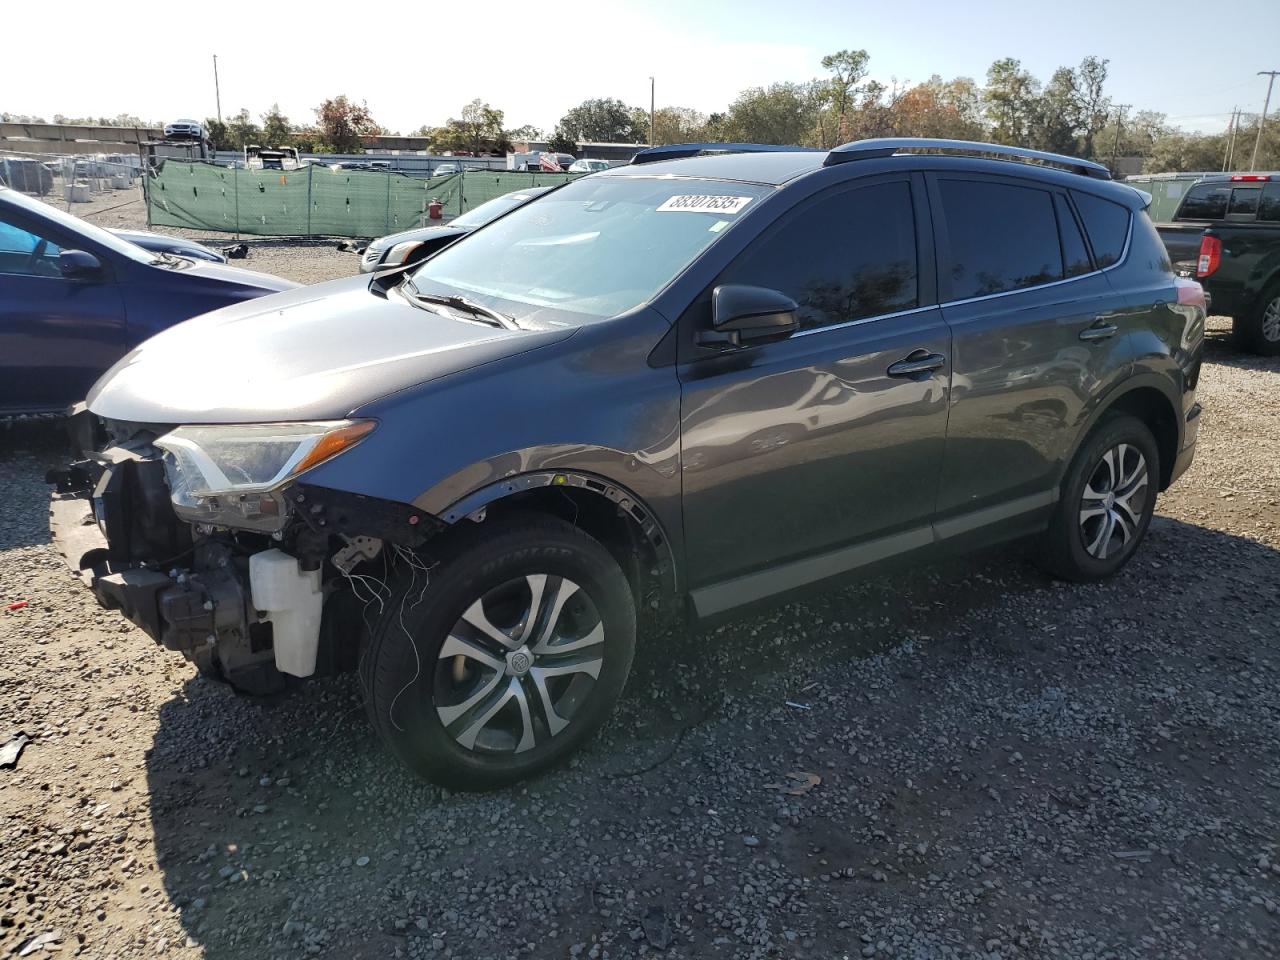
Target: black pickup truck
x=1226, y=233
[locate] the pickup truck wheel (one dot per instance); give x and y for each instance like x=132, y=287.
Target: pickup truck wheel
x=1106, y=503
x=505, y=657
x=1261, y=328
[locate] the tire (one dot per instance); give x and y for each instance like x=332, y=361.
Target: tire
x=1259, y=330
x=497, y=710
x=1079, y=545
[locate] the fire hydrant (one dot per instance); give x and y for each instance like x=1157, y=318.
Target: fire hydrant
x=435, y=210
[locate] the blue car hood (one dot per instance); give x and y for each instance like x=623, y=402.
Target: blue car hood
x=314, y=353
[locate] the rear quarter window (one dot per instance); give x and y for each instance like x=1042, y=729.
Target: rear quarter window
x=1106, y=224
x=1269, y=206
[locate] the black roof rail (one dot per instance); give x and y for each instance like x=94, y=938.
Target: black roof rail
x=678, y=151
x=891, y=146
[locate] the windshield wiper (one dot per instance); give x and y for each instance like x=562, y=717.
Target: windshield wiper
x=460, y=303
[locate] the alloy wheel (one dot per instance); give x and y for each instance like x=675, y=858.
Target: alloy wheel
x=1271, y=322
x=1114, y=501
x=519, y=664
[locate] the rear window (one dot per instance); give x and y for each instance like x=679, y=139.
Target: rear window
x=1106, y=224
x=1001, y=237
x=1205, y=201
x=1269, y=207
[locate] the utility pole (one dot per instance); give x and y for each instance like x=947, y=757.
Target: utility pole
x=1263, y=119
x=217, y=93
x=651, y=112
x=1231, y=138
x=1115, y=144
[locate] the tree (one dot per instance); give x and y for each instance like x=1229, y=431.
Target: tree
x=241, y=131
x=341, y=124
x=937, y=108
x=779, y=113
x=558, y=142
x=848, y=68
x=603, y=121
x=276, y=129
x=525, y=134
x=1010, y=97
x=1058, y=114
x=476, y=130
x=1094, y=106
x=679, y=125
x=215, y=131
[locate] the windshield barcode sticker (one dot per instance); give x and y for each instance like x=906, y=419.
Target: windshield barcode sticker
x=703, y=203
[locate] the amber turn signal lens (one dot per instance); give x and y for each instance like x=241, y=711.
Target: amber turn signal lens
x=334, y=442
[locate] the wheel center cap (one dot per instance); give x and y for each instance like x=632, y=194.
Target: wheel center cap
x=1109, y=501
x=519, y=662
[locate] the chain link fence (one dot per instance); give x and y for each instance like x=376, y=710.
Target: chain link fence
x=315, y=199
x=71, y=179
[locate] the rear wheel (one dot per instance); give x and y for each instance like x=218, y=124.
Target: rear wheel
x=1107, y=500
x=1259, y=330
x=507, y=658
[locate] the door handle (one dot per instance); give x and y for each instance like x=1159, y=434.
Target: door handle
x=916, y=363
x=1102, y=329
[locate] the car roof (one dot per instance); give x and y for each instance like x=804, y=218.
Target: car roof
x=770, y=168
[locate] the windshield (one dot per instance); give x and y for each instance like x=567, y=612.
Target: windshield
x=491, y=210
x=78, y=227
x=592, y=249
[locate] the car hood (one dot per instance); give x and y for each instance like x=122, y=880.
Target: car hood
x=419, y=233
x=315, y=353
x=225, y=273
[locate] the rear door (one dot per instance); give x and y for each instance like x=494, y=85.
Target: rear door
x=806, y=457
x=1038, y=334
x=57, y=334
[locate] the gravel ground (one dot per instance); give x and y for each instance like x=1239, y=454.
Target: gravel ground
x=965, y=761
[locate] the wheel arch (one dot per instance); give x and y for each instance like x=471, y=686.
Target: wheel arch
x=1149, y=398
x=606, y=510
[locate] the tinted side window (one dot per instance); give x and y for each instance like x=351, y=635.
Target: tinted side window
x=1244, y=202
x=1075, y=256
x=1204, y=201
x=1001, y=237
x=841, y=258
x=1107, y=225
x=1269, y=208
x=27, y=253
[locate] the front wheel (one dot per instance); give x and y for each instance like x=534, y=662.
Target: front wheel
x=1106, y=503
x=505, y=657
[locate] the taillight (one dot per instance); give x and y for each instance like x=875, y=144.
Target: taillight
x=1252, y=177
x=1189, y=292
x=1210, y=255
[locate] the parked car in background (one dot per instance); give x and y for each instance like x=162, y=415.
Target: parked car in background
x=702, y=383
x=74, y=298
x=184, y=129
x=1226, y=233
x=410, y=246
x=178, y=246
x=349, y=165
x=446, y=169
x=532, y=161
x=588, y=166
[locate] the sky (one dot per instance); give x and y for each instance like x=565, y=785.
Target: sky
x=418, y=63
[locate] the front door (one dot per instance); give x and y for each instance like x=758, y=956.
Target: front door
x=819, y=453
x=57, y=334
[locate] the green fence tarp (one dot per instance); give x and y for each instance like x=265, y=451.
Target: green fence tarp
x=314, y=200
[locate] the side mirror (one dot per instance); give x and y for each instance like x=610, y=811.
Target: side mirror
x=78, y=263
x=742, y=314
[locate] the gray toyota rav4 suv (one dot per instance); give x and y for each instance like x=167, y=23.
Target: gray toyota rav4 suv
x=689, y=384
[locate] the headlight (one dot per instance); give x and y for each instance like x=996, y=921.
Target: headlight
x=400, y=252
x=231, y=475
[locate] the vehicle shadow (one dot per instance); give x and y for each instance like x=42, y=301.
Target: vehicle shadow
x=28, y=448
x=286, y=827
x=1220, y=347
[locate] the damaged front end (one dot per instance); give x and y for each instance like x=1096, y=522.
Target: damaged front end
x=210, y=540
